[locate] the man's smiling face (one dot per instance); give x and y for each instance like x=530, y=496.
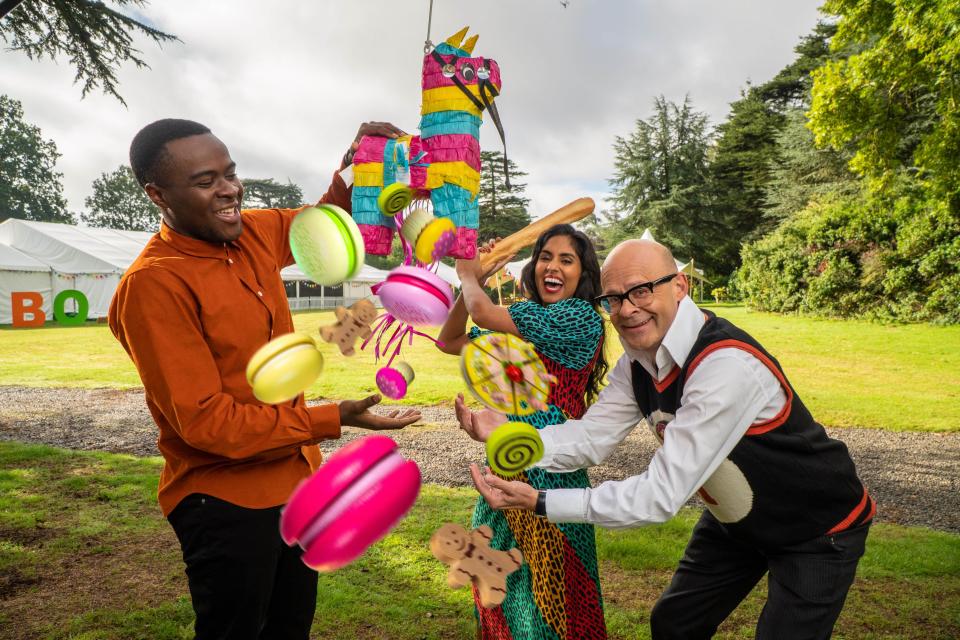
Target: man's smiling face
x=635, y=262
x=199, y=191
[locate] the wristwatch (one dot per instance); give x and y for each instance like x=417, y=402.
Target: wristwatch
x=541, y=508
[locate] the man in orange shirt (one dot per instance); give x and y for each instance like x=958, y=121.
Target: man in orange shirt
x=191, y=310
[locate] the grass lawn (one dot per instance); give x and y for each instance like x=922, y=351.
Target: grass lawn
x=85, y=554
x=849, y=373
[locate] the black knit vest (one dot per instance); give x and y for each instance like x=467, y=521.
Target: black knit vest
x=786, y=481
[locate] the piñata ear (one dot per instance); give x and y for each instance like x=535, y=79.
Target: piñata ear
x=469, y=44
x=455, y=39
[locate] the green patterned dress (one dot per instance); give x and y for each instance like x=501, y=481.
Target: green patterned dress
x=556, y=593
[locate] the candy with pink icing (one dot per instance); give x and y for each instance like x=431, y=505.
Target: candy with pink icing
x=353, y=500
x=393, y=381
x=416, y=296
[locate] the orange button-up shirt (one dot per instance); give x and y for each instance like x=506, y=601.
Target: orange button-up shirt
x=191, y=314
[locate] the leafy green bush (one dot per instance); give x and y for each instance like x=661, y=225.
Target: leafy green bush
x=893, y=256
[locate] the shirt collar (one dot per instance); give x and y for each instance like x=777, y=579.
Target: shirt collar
x=676, y=344
x=192, y=246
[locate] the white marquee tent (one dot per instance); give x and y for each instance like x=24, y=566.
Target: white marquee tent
x=20, y=272
x=356, y=288
x=74, y=257
x=49, y=258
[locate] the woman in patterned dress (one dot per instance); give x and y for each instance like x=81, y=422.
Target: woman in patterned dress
x=556, y=593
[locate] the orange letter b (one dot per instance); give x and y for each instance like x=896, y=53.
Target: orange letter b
x=27, y=302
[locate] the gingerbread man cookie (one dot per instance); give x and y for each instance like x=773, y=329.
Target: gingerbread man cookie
x=471, y=559
x=351, y=324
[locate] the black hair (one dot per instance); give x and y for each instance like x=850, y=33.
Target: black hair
x=148, y=149
x=587, y=289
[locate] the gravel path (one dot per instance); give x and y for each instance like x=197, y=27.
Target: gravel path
x=914, y=476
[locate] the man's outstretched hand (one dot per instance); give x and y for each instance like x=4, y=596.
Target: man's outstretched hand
x=503, y=494
x=383, y=129
x=478, y=424
x=356, y=413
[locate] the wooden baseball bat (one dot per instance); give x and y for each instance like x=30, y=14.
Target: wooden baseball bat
x=576, y=210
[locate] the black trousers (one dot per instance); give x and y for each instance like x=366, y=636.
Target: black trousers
x=806, y=586
x=245, y=582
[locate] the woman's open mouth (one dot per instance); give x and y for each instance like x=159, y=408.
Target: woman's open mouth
x=552, y=285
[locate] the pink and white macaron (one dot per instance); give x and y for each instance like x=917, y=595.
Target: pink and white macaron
x=416, y=296
x=353, y=500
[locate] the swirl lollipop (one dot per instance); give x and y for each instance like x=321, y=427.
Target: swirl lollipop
x=513, y=447
x=505, y=374
x=394, y=198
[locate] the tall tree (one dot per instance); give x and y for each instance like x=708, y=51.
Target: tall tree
x=95, y=37
x=745, y=152
x=660, y=179
x=605, y=230
x=503, y=209
x=267, y=193
x=802, y=172
x=749, y=151
x=30, y=187
x=790, y=88
x=118, y=202
x=893, y=102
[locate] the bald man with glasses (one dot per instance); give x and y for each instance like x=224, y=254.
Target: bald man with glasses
x=782, y=498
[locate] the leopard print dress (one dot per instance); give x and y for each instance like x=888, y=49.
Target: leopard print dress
x=556, y=593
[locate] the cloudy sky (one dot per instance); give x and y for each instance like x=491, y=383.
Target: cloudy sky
x=286, y=83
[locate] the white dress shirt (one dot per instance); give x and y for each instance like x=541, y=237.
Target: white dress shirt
x=727, y=392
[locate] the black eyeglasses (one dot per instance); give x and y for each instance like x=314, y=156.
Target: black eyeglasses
x=637, y=294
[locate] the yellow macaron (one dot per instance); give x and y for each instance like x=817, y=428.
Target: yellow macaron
x=284, y=367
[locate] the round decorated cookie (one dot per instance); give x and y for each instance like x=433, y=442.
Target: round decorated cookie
x=505, y=374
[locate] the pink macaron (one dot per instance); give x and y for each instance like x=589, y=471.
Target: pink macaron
x=355, y=498
x=416, y=296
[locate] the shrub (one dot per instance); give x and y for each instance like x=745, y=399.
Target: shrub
x=893, y=256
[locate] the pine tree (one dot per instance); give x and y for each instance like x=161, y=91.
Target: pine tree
x=660, y=180
x=503, y=209
x=96, y=38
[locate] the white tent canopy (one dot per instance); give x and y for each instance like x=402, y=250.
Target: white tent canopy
x=20, y=272
x=65, y=248
x=14, y=260
x=74, y=257
x=367, y=274
x=48, y=258
x=514, y=269
x=449, y=274
x=354, y=289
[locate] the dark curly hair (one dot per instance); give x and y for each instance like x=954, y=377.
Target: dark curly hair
x=587, y=289
x=148, y=149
